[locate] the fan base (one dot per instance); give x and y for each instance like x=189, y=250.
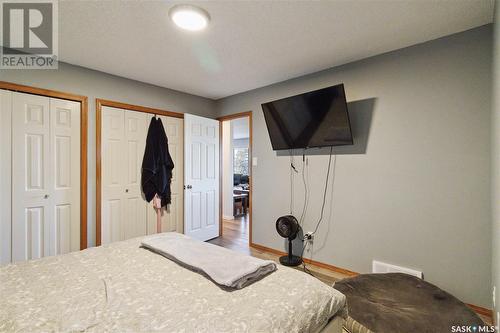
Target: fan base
x=290, y=261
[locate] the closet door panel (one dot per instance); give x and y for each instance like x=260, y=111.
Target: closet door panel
x=113, y=214
x=125, y=213
x=136, y=126
x=113, y=174
x=5, y=176
x=35, y=233
x=175, y=133
x=65, y=178
x=31, y=192
x=63, y=227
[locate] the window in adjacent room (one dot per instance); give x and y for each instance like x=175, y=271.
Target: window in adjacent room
x=240, y=162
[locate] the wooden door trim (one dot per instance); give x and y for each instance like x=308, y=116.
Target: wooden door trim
x=98, y=116
x=138, y=108
x=83, y=100
x=250, y=178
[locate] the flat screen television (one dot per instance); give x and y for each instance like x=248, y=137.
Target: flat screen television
x=317, y=118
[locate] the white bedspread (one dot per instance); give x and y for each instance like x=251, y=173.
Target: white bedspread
x=225, y=267
x=125, y=288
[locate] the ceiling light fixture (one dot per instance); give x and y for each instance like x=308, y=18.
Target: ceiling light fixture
x=189, y=17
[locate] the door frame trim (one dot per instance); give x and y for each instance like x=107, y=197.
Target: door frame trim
x=98, y=111
x=83, y=100
x=250, y=167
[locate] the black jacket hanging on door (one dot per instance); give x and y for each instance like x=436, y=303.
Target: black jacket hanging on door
x=157, y=164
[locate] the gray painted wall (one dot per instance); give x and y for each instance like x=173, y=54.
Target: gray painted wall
x=94, y=84
x=496, y=163
x=415, y=189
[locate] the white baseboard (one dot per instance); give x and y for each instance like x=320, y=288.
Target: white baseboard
x=228, y=217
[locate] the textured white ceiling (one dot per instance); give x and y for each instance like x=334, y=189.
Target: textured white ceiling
x=250, y=44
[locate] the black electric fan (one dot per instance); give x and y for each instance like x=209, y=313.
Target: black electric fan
x=288, y=227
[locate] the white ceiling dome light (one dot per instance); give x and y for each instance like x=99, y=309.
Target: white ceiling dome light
x=189, y=17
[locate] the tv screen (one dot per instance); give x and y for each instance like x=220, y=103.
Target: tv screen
x=317, y=118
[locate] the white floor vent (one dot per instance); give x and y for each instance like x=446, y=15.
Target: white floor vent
x=381, y=267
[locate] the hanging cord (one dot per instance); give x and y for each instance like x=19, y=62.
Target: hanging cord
x=307, y=270
x=292, y=170
x=325, y=191
x=322, y=209
x=306, y=190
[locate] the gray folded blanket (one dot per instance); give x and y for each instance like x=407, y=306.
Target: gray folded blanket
x=225, y=267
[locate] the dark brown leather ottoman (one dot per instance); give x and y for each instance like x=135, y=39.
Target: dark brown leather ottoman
x=401, y=303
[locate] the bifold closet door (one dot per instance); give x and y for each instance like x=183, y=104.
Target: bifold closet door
x=112, y=161
x=123, y=137
x=45, y=176
x=124, y=212
x=136, y=124
x=5, y=177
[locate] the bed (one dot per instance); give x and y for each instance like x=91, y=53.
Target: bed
x=122, y=287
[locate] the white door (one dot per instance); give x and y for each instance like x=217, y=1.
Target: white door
x=5, y=176
x=123, y=209
x=135, y=224
x=64, y=180
x=113, y=174
x=125, y=213
x=31, y=200
x=201, y=177
x=45, y=176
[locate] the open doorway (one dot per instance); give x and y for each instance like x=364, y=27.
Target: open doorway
x=236, y=189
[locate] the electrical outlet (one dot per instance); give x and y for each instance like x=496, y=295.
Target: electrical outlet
x=309, y=236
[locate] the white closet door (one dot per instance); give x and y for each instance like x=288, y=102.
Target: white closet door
x=5, y=176
x=64, y=180
x=173, y=215
x=136, y=125
x=125, y=212
x=31, y=201
x=123, y=208
x=45, y=176
x=113, y=174
x=201, y=177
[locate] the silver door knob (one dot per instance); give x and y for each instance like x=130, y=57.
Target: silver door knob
x=46, y=196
